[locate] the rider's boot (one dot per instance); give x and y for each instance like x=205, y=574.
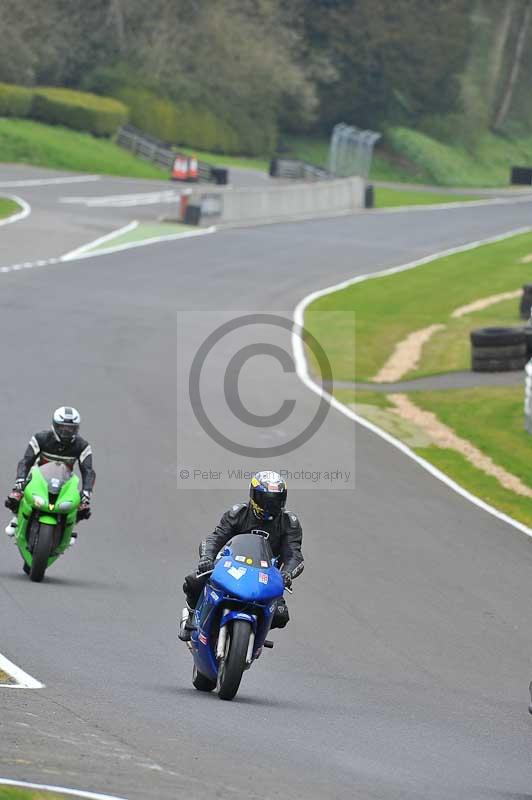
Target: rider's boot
x=186, y=625
x=12, y=527
x=73, y=538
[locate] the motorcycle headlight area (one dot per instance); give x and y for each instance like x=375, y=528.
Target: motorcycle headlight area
x=38, y=501
x=66, y=505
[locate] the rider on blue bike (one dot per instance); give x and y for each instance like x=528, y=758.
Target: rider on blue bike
x=265, y=510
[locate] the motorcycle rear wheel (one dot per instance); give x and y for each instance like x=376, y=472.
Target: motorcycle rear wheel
x=233, y=664
x=41, y=552
x=201, y=682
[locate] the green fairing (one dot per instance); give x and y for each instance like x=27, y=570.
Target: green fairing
x=48, y=514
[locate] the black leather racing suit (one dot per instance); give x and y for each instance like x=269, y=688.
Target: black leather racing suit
x=285, y=537
x=44, y=447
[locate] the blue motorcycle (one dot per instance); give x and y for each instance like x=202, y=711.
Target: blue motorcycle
x=234, y=614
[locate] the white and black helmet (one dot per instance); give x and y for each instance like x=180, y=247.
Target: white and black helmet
x=65, y=424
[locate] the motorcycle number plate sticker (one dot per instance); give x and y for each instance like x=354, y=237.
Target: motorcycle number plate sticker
x=237, y=572
x=227, y=564
x=264, y=563
x=240, y=558
x=263, y=578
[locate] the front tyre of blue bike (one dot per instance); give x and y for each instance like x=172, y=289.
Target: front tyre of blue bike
x=233, y=664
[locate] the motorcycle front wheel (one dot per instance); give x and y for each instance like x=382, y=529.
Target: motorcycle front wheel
x=233, y=664
x=41, y=552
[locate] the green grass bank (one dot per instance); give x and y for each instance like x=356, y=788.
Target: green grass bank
x=381, y=312
x=8, y=207
x=28, y=142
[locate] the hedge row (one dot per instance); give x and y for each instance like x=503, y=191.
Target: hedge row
x=15, y=101
x=178, y=124
x=79, y=110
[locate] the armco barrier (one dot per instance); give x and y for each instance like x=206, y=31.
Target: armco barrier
x=152, y=149
x=277, y=203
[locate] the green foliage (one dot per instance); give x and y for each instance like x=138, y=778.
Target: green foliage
x=486, y=164
x=29, y=142
x=15, y=101
x=100, y=116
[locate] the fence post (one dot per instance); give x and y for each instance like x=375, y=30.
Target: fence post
x=528, y=396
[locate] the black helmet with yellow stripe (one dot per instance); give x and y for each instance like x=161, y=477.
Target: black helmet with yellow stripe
x=267, y=494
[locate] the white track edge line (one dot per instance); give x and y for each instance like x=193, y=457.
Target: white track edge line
x=80, y=251
x=493, y=201
x=18, y=215
x=24, y=681
x=304, y=375
x=43, y=787
x=130, y=245
x=52, y=181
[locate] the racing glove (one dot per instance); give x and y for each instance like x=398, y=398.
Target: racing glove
x=84, y=510
x=15, y=495
x=205, y=564
x=287, y=579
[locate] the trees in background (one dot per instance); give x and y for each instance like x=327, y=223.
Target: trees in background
x=250, y=66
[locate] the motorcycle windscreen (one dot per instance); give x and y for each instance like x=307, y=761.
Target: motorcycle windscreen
x=55, y=475
x=244, y=569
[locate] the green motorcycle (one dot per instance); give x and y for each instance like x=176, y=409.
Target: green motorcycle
x=46, y=516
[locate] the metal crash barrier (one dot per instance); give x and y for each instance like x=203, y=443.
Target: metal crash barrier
x=181, y=166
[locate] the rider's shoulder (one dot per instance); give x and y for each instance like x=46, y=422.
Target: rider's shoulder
x=235, y=511
x=293, y=520
x=42, y=436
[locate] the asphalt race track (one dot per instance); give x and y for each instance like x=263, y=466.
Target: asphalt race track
x=403, y=674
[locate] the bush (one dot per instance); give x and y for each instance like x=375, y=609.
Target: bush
x=79, y=110
x=15, y=101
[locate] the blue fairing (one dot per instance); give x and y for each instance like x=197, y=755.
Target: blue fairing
x=238, y=579
x=236, y=590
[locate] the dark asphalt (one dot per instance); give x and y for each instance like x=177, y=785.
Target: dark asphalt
x=404, y=672
x=449, y=380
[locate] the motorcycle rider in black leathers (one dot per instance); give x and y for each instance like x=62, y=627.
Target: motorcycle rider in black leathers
x=265, y=511
x=63, y=443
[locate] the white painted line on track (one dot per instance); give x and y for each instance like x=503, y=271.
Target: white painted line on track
x=26, y=211
x=23, y=680
x=52, y=181
x=303, y=373
x=44, y=787
x=81, y=251
x=76, y=254
x=125, y=200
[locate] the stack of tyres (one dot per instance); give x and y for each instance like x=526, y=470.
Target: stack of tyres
x=525, y=306
x=498, y=349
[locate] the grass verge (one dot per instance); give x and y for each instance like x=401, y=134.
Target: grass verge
x=489, y=417
x=391, y=198
x=379, y=313
x=8, y=207
x=56, y=147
